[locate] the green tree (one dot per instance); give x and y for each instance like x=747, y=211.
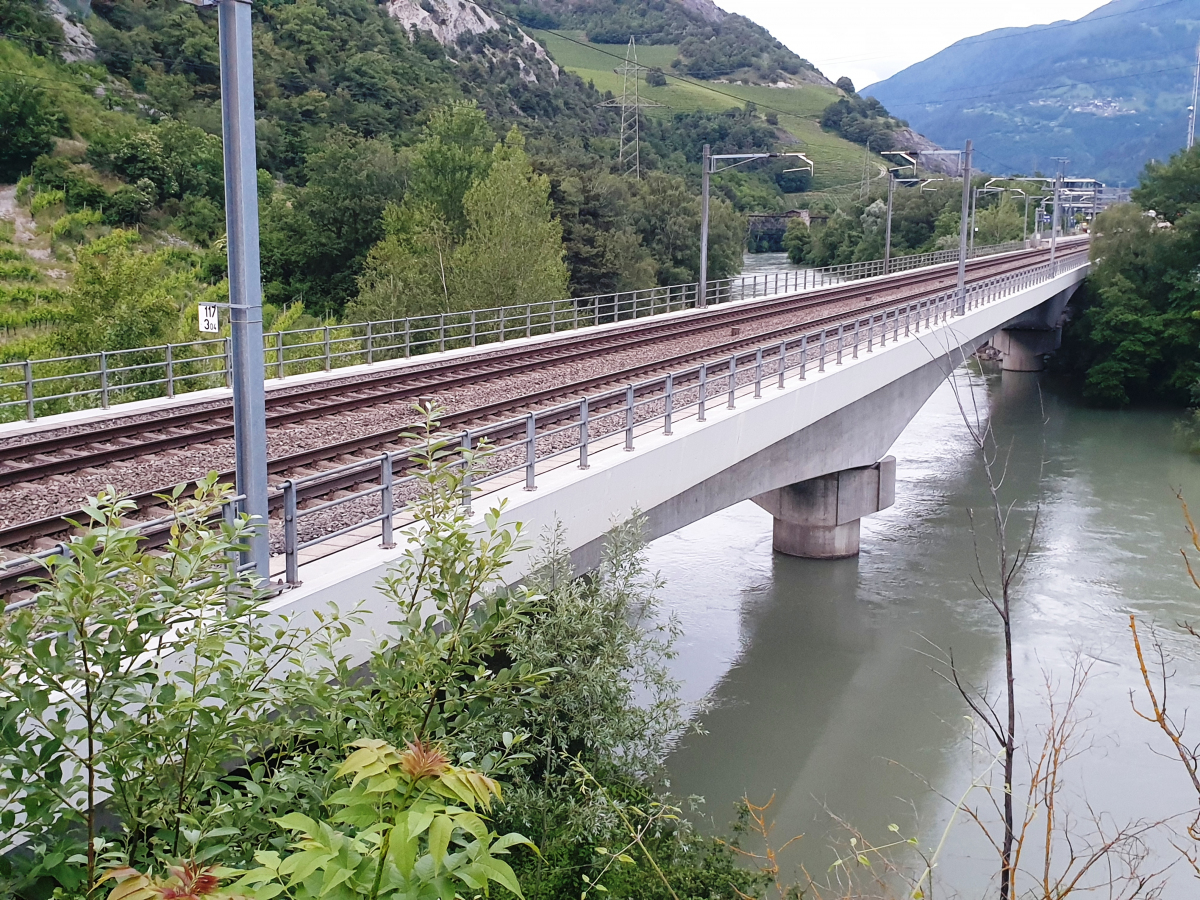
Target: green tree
x=408, y=273
x=513, y=251
x=454, y=154
x=998, y=223
x=29, y=123
x=315, y=238
x=1136, y=333
x=667, y=218
x=30, y=22
x=122, y=297
x=797, y=240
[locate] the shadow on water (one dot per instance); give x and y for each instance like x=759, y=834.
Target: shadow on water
x=818, y=674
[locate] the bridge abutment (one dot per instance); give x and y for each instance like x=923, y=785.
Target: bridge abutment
x=820, y=518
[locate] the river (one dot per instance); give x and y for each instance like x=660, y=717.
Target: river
x=814, y=680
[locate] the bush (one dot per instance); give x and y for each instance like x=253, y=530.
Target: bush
x=80, y=189
x=43, y=200
x=200, y=219
x=129, y=204
x=73, y=226
x=234, y=756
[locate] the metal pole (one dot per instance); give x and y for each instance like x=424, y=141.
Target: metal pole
x=706, y=164
x=245, y=277
x=887, y=241
x=1191, y=137
x=386, y=501
x=1054, y=216
x=974, y=209
x=962, y=227
x=29, y=411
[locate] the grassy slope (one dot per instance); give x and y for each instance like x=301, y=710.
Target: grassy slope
x=837, y=161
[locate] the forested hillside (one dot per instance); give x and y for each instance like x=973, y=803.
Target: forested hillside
x=369, y=137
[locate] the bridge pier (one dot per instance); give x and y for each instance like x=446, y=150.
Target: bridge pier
x=1024, y=350
x=1024, y=342
x=819, y=518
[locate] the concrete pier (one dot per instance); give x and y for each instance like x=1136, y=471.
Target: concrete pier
x=1024, y=350
x=819, y=518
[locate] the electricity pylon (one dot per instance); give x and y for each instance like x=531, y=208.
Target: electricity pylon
x=631, y=104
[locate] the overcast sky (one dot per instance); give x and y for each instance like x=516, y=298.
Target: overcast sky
x=869, y=40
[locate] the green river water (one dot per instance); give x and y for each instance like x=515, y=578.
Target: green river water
x=813, y=680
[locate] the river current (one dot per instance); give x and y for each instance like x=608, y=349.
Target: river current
x=814, y=681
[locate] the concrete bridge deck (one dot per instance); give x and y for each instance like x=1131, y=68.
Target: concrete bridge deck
x=828, y=423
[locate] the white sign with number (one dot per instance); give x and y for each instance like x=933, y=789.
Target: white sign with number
x=209, y=321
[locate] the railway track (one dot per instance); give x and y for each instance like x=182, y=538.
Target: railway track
x=59, y=455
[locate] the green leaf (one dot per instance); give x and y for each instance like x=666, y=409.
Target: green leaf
x=439, y=838
x=297, y=822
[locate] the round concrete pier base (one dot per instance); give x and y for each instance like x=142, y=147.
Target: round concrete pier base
x=816, y=541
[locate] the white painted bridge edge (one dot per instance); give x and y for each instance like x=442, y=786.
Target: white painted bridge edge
x=586, y=502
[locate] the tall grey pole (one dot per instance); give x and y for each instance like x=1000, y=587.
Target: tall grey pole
x=706, y=162
x=962, y=230
x=1025, y=222
x=245, y=277
x=974, y=209
x=1054, y=214
x=887, y=240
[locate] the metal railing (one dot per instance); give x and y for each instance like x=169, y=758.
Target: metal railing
x=521, y=447
x=67, y=383
x=15, y=572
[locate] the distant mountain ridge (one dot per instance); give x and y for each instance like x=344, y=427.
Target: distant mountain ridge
x=1109, y=91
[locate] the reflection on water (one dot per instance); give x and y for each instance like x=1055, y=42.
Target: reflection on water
x=818, y=676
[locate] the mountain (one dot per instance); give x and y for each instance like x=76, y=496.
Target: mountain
x=1109, y=91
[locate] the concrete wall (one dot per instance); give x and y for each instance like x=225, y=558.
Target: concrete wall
x=847, y=416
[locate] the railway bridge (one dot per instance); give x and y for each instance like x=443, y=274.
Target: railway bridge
x=791, y=399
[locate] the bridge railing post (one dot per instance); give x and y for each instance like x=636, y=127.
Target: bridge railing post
x=583, y=433
x=629, y=416
x=839, y=343
x=386, y=502
x=821, y=363
x=531, y=452
x=758, y=373
x=702, y=389
x=229, y=512
x=104, y=379
x=783, y=361
x=468, y=486
x=290, y=538
x=732, y=380
x=668, y=402
x=857, y=322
